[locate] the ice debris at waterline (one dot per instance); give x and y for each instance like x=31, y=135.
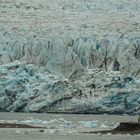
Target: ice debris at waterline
x=59, y=123
x=97, y=124
x=132, y=128
x=92, y=124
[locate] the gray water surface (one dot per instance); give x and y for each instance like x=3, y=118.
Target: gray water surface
x=57, y=130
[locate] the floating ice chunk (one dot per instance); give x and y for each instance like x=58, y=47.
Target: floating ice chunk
x=51, y=131
x=33, y=121
x=108, y=125
x=104, y=126
x=91, y=124
x=18, y=131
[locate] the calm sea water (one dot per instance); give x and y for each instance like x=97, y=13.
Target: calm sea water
x=81, y=123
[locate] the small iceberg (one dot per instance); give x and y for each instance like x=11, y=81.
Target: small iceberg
x=90, y=124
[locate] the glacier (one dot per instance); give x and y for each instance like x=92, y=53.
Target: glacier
x=70, y=57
